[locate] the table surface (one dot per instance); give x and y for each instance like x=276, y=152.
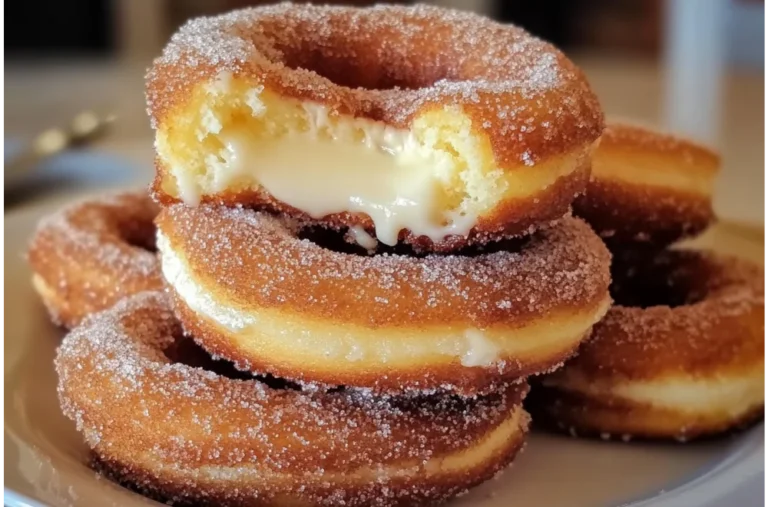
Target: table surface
x=44, y=94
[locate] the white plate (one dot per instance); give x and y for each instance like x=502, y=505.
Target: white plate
x=45, y=458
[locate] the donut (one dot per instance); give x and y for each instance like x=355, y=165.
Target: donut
x=680, y=356
x=648, y=188
x=189, y=434
x=415, y=124
x=91, y=254
x=252, y=288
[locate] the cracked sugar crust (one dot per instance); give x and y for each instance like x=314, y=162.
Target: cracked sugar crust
x=391, y=64
x=192, y=433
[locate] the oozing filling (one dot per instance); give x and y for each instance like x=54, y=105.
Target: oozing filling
x=434, y=179
x=384, y=175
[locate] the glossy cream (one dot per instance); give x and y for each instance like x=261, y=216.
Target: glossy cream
x=324, y=164
x=356, y=166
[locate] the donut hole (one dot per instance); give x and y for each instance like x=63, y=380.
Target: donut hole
x=361, y=70
x=344, y=243
x=139, y=234
x=184, y=350
x=665, y=281
x=382, y=56
x=332, y=240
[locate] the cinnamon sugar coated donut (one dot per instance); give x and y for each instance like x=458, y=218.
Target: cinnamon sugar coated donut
x=187, y=434
x=681, y=356
x=89, y=255
x=417, y=124
x=648, y=187
x=250, y=289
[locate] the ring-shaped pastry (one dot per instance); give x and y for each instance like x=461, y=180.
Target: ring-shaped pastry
x=191, y=435
x=681, y=356
x=251, y=289
x=91, y=254
x=413, y=124
x=648, y=189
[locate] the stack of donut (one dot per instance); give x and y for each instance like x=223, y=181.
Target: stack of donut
x=366, y=247
x=681, y=354
x=358, y=249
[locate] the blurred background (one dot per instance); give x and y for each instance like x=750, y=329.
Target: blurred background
x=695, y=67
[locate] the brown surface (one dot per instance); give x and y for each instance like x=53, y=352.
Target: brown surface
x=695, y=317
x=156, y=421
x=404, y=492
x=255, y=260
x=640, y=216
x=633, y=215
x=250, y=261
x=91, y=254
x=611, y=418
x=523, y=94
x=714, y=326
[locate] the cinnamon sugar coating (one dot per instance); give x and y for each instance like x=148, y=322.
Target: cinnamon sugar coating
x=191, y=435
x=390, y=64
x=648, y=188
x=246, y=285
x=514, y=218
x=91, y=254
x=681, y=355
x=501, y=123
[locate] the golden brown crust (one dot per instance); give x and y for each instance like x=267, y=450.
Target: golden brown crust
x=709, y=343
x=425, y=377
x=243, y=282
x=512, y=218
x=259, y=260
x=648, y=188
x=715, y=320
x=629, y=140
x=90, y=255
x=611, y=418
x=403, y=493
x=194, y=435
x=641, y=215
x=391, y=64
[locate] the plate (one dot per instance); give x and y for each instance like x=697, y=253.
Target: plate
x=45, y=458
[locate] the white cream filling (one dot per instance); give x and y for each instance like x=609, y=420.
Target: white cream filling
x=352, y=165
x=362, y=237
x=386, y=176
x=480, y=350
